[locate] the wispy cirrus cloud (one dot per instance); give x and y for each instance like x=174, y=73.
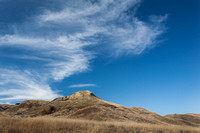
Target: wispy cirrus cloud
x=82, y=85
x=22, y=85
x=53, y=44
x=54, y=59
x=125, y=34
x=61, y=57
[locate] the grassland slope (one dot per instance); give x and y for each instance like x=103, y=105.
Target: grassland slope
x=85, y=105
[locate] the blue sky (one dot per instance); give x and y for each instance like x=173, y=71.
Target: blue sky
x=135, y=52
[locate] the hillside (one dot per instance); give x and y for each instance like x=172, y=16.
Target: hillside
x=85, y=105
x=188, y=119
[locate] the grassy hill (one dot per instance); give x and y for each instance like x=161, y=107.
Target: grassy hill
x=83, y=109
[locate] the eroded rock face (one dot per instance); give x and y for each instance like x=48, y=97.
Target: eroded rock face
x=4, y=107
x=81, y=95
x=49, y=109
x=1, y=109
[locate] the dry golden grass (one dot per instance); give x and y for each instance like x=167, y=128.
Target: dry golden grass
x=62, y=115
x=61, y=125
x=85, y=105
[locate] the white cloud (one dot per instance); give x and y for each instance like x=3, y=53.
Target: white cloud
x=58, y=40
x=62, y=56
x=82, y=85
x=124, y=33
x=21, y=85
x=59, y=57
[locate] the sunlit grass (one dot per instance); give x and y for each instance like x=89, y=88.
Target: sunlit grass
x=61, y=125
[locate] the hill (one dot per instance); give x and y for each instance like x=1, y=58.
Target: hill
x=84, y=105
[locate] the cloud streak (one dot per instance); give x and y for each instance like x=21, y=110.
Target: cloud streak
x=23, y=85
x=60, y=43
x=82, y=85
